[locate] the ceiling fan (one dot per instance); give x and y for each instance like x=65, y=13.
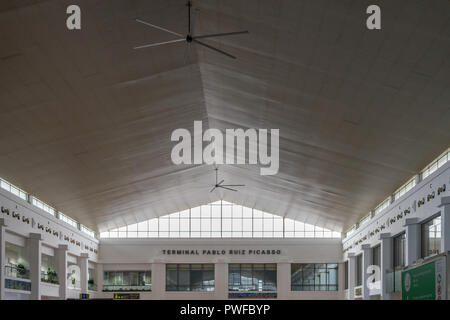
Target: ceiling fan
x=190, y=37
x=224, y=186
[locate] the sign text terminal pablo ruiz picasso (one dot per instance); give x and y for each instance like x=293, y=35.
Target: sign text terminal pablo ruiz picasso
x=215, y=252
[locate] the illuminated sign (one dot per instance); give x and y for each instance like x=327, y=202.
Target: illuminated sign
x=263, y=295
x=84, y=296
x=126, y=296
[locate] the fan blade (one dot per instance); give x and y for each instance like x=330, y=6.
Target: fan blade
x=226, y=188
x=212, y=48
x=213, y=189
x=159, y=28
x=233, y=185
x=221, y=182
x=219, y=35
x=189, y=4
x=192, y=28
x=159, y=44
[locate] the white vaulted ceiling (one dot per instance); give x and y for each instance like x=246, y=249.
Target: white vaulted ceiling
x=86, y=120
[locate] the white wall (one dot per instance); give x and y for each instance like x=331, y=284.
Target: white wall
x=147, y=254
x=18, y=232
x=393, y=221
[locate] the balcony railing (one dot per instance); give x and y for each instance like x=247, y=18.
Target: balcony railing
x=122, y=288
x=49, y=278
x=18, y=285
x=92, y=286
x=15, y=271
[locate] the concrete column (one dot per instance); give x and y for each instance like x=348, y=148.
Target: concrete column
x=341, y=280
x=367, y=261
x=158, y=280
x=445, y=224
x=391, y=199
x=351, y=275
x=84, y=271
x=283, y=279
x=99, y=271
x=2, y=257
x=413, y=238
x=417, y=178
x=221, y=280
x=61, y=253
x=386, y=262
x=34, y=252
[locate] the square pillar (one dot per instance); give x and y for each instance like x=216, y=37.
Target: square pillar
x=445, y=224
x=2, y=258
x=341, y=280
x=367, y=261
x=221, y=279
x=34, y=248
x=386, y=261
x=351, y=275
x=99, y=271
x=283, y=279
x=61, y=253
x=391, y=199
x=158, y=279
x=413, y=238
x=417, y=178
x=84, y=271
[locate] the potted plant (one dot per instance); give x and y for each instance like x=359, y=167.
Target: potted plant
x=52, y=276
x=21, y=270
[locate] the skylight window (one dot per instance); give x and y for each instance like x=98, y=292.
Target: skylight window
x=87, y=231
x=220, y=220
x=436, y=164
x=68, y=220
x=42, y=205
x=382, y=206
x=405, y=188
x=13, y=189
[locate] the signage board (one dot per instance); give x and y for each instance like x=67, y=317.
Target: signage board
x=426, y=282
x=263, y=295
x=127, y=296
x=84, y=296
x=222, y=252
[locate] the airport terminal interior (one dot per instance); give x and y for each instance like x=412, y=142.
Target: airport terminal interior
x=226, y=149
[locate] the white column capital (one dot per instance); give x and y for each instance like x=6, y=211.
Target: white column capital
x=410, y=221
x=63, y=247
x=35, y=236
x=385, y=235
x=365, y=246
x=444, y=201
x=84, y=255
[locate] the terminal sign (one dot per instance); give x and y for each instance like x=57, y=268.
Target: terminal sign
x=222, y=252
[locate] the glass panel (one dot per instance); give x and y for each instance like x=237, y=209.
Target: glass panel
x=216, y=220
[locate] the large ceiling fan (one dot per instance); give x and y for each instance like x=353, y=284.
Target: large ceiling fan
x=190, y=37
x=219, y=184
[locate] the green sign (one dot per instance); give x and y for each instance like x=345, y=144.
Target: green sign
x=126, y=296
x=425, y=282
